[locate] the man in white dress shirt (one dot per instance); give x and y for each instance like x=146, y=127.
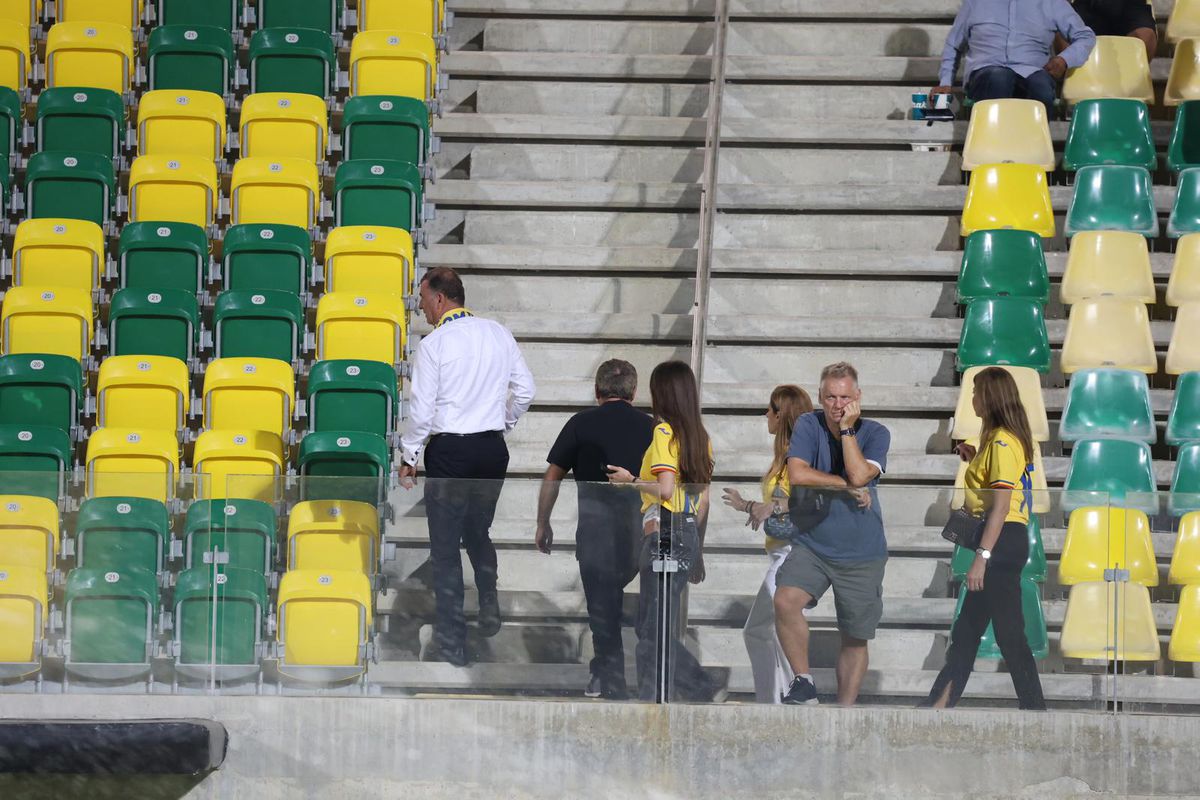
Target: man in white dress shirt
x=470, y=385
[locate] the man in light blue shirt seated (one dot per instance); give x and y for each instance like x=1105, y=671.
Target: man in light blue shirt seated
x=1009, y=49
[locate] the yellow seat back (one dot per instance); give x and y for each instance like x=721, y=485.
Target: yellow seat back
x=143, y=392
x=364, y=326
x=1109, y=332
x=1183, y=82
x=1184, y=21
x=1183, y=354
x=47, y=320
x=365, y=258
x=58, y=252
x=1102, y=538
x=393, y=62
x=284, y=191
x=14, y=55
x=173, y=189
x=1008, y=196
x=325, y=617
x=239, y=464
x=1185, y=633
x=1103, y=263
x=333, y=535
x=1117, y=67
x=29, y=532
x=249, y=393
x=1184, y=284
x=127, y=13
x=1008, y=131
x=1185, y=558
x=421, y=16
x=181, y=122
x=967, y=424
x=93, y=54
x=1110, y=621
x=23, y=596
x=124, y=462
x=22, y=13
x=284, y=125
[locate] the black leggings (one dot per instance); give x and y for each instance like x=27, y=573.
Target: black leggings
x=1000, y=604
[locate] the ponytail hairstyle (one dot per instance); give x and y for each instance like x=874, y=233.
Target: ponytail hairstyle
x=789, y=402
x=675, y=400
x=1000, y=403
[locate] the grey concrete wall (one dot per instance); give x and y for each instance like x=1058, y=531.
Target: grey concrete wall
x=333, y=748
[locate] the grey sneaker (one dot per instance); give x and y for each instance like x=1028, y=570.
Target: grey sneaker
x=801, y=693
x=593, y=688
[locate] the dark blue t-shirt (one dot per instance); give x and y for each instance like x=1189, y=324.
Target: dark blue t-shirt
x=848, y=533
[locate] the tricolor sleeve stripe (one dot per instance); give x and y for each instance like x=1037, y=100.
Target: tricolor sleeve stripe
x=657, y=468
x=999, y=484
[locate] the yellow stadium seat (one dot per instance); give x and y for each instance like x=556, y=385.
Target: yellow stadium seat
x=125, y=462
x=365, y=258
x=56, y=320
x=1040, y=491
x=1110, y=621
x=21, y=12
x=1184, y=284
x=1108, y=263
x=127, y=13
x=29, y=532
x=173, y=189
x=59, y=252
x=1102, y=538
x=15, y=64
x=284, y=191
x=333, y=534
x=1183, y=83
x=364, y=326
x=249, y=393
x=1184, y=21
x=1109, y=332
x=1008, y=132
x=1185, y=558
x=181, y=122
x=242, y=464
x=423, y=16
x=394, y=62
x=23, y=617
x=1117, y=67
x=149, y=392
x=284, y=125
x=325, y=624
x=94, y=54
x=1008, y=196
x=1185, y=633
x=1183, y=354
x=967, y=424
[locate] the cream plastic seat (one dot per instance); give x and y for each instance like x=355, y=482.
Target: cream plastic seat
x=181, y=122
x=1184, y=22
x=1109, y=332
x=1110, y=621
x=1183, y=354
x=1008, y=196
x=1184, y=284
x=1103, y=263
x=1117, y=67
x=1183, y=83
x=967, y=424
x=1008, y=132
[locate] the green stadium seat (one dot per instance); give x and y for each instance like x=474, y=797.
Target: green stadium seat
x=242, y=530
x=1004, y=331
x=1035, y=566
x=1109, y=131
x=344, y=465
x=162, y=255
x=1035, y=624
x=266, y=324
x=220, y=618
x=322, y=15
x=224, y=14
x=158, y=323
x=34, y=460
x=43, y=390
x=12, y=119
x=1114, y=198
x=75, y=120
x=388, y=127
x=387, y=193
x=275, y=257
x=1184, y=423
x=350, y=395
x=293, y=60
x=1185, y=483
x=1108, y=402
x=1185, y=213
x=70, y=185
x=116, y=533
x=197, y=57
x=111, y=623
x=1184, y=149
x=1003, y=263
x=1119, y=472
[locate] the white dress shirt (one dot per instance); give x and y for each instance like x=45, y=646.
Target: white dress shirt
x=469, y=376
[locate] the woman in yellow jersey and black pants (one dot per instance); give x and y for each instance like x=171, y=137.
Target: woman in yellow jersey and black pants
x=673, y=479
x=998, y=487
x=772, y=673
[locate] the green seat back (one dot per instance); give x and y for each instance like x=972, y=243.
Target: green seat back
x=386, y=127
x=154, y=323
x=1004, y=331
x=110, y=615
x=1185, y=484
x=378, y=193
x=243, y=529
x=81, y=120
x=195, y=57
x=1035, y=565
x=1109, y=131
x=12, y=118
x=223, y=14
x=72, y=185
x=1111, y=468
x=258, y=257
x=1035, y=624
x=1108, y=402
x=1112, y=198
x=37, y=389
x=162, y=255
x=1184, y=423
x=1003, y=263
x=117, y=533
x=343, y=465
x=1184, y=149
x=34, y=460
x=1185, y=213
x=292, y=60
x=322, y=15
x=266, y=324
x=351, y=395
x=227, y=634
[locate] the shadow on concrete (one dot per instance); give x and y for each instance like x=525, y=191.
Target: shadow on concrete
x=98, y=787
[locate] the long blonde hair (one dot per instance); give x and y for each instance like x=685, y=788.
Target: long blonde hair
x=1000, y=402
x=789, y=402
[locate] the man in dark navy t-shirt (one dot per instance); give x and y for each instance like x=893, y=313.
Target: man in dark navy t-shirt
x=609, y=529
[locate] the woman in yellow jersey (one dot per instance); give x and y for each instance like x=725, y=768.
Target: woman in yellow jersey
x=772, y=673
x=673, y=479
x=999, y=490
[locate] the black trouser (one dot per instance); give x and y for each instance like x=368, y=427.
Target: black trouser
x=605, y=592
x=464, y=475
x=687, y=679
x=607, y=540
x=1000, y=604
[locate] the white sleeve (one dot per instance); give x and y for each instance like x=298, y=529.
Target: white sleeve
x=521, y=388
x=422, y=395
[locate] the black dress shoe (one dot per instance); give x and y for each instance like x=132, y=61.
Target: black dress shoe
x=456, y=656
x=489, y=614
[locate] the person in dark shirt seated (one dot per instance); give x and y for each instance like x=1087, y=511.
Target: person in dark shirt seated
x=1120, y=18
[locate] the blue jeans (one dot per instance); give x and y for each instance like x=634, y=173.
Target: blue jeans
x=998, y=83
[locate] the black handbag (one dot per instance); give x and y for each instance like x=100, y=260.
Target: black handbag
x=808, y=507
x=963, y=529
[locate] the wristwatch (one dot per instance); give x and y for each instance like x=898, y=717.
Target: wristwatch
x=848, y=432
x=983, y=553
